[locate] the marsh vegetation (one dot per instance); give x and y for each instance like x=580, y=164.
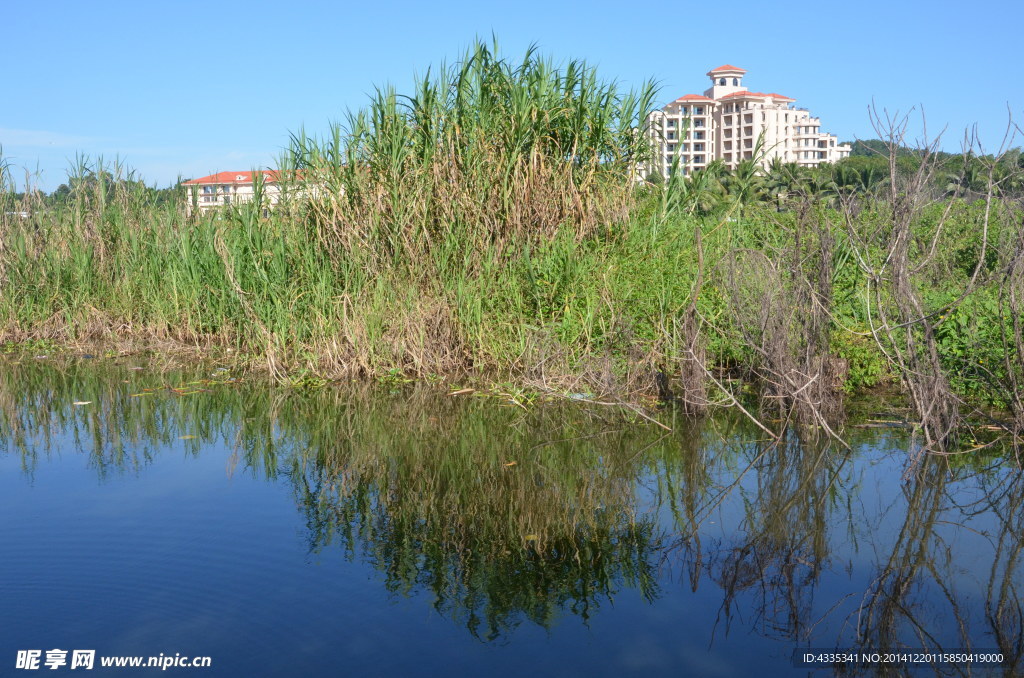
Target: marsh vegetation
x=490, y=222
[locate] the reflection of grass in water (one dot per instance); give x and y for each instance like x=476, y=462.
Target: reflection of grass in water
x=434, y=506
x=420, y=484
x=119, y=433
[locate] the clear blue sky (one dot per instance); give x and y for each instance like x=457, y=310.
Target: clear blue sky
x=190, y=88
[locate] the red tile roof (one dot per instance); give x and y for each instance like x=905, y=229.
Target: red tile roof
x=758, y=95
x=745, y=93
x=233, y=178
x=726, y=67
x=694, y=97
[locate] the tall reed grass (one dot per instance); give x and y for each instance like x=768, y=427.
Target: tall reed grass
x=491, y=221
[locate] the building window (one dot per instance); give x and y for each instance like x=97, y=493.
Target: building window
x=735, y=82
x=671, y=123
x=671, y=135
x=208, y=189
x=698, y=147
x=721, y=81
x=699, y=110
x=698, y=135
x=683, y=110
x=698, y=123
x=671, y=148
x=698, y=159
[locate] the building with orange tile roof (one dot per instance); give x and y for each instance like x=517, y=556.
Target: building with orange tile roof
x=231, y=188
x=727, y=122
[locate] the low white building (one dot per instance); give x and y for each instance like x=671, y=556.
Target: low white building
x=227, y=188
x=726, y=122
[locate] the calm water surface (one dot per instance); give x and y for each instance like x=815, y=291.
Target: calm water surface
x=395, y=531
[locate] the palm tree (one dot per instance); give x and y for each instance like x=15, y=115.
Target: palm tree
x=820, y=187
x=847, y=179
x=745, y=185
x=698, y=193
x=970, y=178
x=780, y=179
x=870, y=177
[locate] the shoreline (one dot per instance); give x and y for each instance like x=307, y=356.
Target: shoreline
x=877, y=408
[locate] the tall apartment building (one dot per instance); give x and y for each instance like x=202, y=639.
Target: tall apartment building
x=726, y=122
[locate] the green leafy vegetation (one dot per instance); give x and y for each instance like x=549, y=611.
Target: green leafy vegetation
x=491, y=221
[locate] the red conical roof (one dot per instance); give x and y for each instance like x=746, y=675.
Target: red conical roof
x=727, y=67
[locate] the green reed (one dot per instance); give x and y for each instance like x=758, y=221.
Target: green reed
x=490, y=222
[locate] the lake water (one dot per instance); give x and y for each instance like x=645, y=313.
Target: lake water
x=397, y=531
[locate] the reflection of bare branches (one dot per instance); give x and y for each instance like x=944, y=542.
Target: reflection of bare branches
x=887, y=603
x=786, y=545
x=1003, y=609
x=902, y=601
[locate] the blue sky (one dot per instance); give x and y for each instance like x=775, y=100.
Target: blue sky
x=190, y=88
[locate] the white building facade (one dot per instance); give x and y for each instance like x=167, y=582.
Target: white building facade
x=726, y=122
x=226, y=188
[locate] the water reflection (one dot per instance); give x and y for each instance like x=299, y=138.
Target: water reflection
x=916, y=586
x=504, y=516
